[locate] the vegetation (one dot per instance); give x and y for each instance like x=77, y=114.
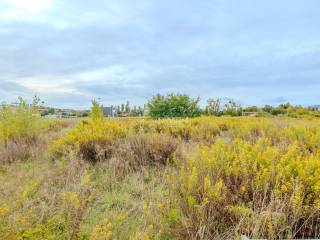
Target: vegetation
x=182, y=106
x=17, y=121
x=21, y=130
x=173, y=105
x=125, y=110
x=137, y=178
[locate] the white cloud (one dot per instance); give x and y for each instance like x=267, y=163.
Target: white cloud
x=32, y=6
x=23, y=9
x=73, y=50
x=47, y=86
x=114, y=74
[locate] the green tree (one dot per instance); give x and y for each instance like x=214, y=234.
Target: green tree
x=140, y=111
x=251, y=109
x=18, y=121
x=173, y=105
x=127, y=107
x=267, y=108
x=213, y=107
x=96, y=112
x=232, y=108
x=51, y=111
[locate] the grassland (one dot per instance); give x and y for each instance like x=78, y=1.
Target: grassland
x=200, y=178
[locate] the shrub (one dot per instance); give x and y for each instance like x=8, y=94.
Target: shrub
x=19, y=126
x=254, y=189
x=144, y=150
x=89, y=138
x=173, y=105
x=96, y=113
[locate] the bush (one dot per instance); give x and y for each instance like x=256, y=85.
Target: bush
x=88, y=137
x=256, y=189
x=172, y=106
x=144, y=150
x=19, y=128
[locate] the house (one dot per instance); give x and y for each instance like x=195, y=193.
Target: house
x=250, y=114
x=65, y=113
x=124, y=114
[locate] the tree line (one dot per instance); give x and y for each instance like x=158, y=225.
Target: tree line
x=176, y=105
x=181, y=105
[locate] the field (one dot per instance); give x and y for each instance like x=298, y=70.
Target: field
x=136, y=178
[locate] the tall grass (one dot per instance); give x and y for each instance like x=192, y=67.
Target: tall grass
x=201, y=178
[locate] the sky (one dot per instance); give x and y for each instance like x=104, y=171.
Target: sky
x=71, y=51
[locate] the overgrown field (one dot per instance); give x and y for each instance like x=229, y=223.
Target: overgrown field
x=200, y=178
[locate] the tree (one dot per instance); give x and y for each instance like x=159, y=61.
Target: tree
x=173, y=105
x=127, y=107
x=213, y=107
x=232, y=108
x=96, y=111
x=251, y=109
x=140, y=111
x=267, y=108
x=118, y=110
x=51, y=111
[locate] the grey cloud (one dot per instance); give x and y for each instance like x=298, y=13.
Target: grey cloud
x=231, y=48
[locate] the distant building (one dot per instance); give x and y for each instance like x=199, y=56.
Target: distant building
x=109, y=111
x=52, y=116
x=250, y=114
x=124, y=114
x=66, y=113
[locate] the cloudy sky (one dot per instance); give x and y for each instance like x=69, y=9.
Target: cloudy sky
x=70, y=51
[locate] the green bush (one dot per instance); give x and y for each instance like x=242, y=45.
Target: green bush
x=172, y=106
x=19, y=125
x=18, y=121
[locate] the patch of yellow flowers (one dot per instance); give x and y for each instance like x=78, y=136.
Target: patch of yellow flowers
x=252, y=175
x=259, y=174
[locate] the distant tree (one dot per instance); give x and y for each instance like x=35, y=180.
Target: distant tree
x=251, y=109
x=282, y=109
x=312, y=108
x=277, y=111
x=44, y=113
x=285, y=106
x=300, y=110
x=232, y=108
x=118, y=110
x=51, y=111
x=96, y=111
x=122, y=107
x=267, y=108
x=173, y=105
x=134, y=112
x=83, y=113
x=127, y=107
x=140, y=111
x=213, y=107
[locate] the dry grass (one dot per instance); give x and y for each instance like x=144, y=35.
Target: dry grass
x=143, y=150
x=204, y=178
x=20, y=149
